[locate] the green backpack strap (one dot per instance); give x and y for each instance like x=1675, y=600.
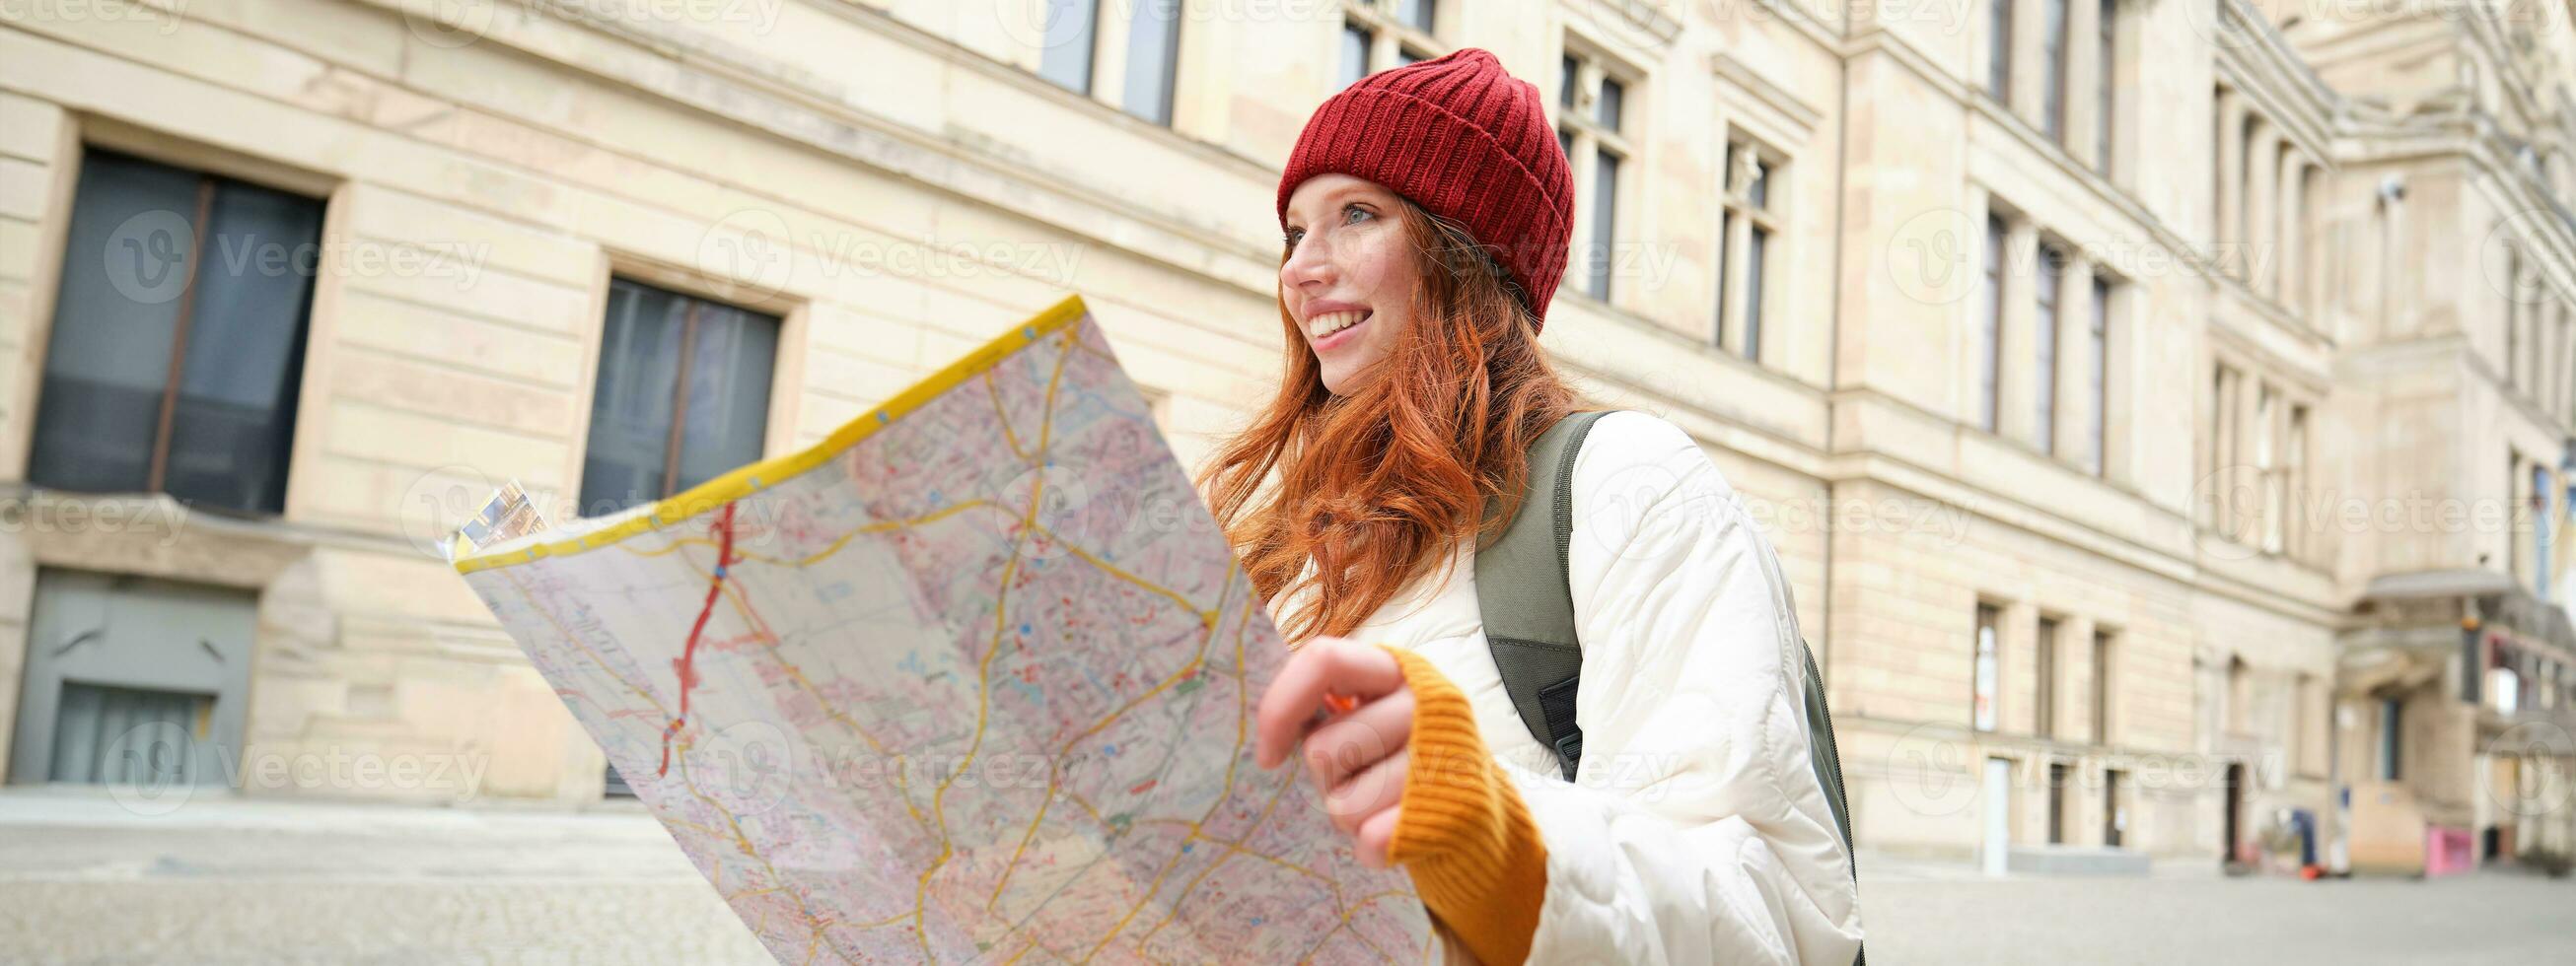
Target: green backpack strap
x=1528, y=606
x=1522, y=587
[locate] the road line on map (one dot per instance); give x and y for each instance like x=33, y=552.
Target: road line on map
x=687, y=663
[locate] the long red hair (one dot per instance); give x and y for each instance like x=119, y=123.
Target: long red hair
x=1377, y=487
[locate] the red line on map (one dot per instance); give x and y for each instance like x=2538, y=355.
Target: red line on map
x=686, y=664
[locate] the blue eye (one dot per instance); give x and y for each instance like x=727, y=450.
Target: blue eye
x=1351, y=211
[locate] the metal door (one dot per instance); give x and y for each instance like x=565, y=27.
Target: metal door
x=132, y=680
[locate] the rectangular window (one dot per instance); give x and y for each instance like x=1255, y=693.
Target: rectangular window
x=1591, y=119
x=1746, y=201
x=1605, y=220
x=1988, y=668
x=2106, y=81
x=2052, y=270
x=2518, y=524
x=1072, y=30
x=2222, y=448
x=177, y=348
x=1379, y=34
x=2295, y=458
x=1999, y=44
x=1153, y=59
x=2114, y=819
x=683, y=395
x=2392, y=720
x=2097, y=371
x=1990, y=355
x=1420, y=15
x=1757, y=250
x=2044, y=670
x=2102, y=678
x=2538, y=523
x=1355, y=52
x=2267, y=464
x=2053, y=51
x=2057, y=803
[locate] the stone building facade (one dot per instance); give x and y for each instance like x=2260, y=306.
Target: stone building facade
x=2050, y=339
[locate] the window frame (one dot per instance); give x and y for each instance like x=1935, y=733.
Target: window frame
x=1998, y=82
x=1986, y=668
x=213, y=169
x=1393, y=42
x=1580, y=129
x=788, y=364
x=1744, y=288
x=2048, y=322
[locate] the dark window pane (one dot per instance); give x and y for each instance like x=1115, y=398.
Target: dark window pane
x=1355, y=52
x=1417, y=14
x=1612, y=95
x=2053, y=61
x=630, y=410
x=2044, y=335
x=1999, y=49
x=1565, y=144
x=651, y=337
x=125, y=265
x=1725, y=224
x=1070, y=28
x=2106, y=81
x=1605, y=224
x=135, y=262
x=235, y=420
x=729, y=375
x=1153, y=54
x=1989, y=355
x=1755, y=253
x=1757, y=190
x=2098, y=373
x=1566, y=70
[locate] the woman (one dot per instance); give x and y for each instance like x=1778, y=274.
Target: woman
x=1425, y=212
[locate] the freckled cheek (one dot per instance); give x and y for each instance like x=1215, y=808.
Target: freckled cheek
x=1377, y=268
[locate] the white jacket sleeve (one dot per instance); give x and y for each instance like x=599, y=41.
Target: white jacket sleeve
x=1696, y=830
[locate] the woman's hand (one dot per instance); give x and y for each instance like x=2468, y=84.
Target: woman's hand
x=1357, y=753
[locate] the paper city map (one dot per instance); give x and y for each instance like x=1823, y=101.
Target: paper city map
x=971, y=680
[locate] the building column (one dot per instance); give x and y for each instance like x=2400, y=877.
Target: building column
x=2230, y=189
x=2015, y=380
x=2083, y=72
x=2291, y=213
x=2263, y=182
x=2075, y=402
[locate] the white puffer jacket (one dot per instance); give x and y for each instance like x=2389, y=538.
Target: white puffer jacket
x=1696, y=831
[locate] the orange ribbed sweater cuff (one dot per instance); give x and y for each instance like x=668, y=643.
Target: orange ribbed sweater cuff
x=1462, y=829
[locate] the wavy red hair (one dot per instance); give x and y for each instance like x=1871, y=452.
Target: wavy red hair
x=1377, y=486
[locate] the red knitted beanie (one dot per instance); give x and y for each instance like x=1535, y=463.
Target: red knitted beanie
x=1463, y=139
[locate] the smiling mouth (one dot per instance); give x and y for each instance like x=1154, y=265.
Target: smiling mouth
x=1331, y=324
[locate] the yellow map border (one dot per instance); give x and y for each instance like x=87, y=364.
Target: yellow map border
x=751, y=478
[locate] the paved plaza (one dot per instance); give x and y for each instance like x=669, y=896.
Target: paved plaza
x=84, y=880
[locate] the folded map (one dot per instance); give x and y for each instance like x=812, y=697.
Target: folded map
x=970, y=680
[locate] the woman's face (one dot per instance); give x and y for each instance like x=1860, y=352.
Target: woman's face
x=1350, y=276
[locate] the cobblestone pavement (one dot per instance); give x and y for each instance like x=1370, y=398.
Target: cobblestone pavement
x=232, y=881
x=1954, y=916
